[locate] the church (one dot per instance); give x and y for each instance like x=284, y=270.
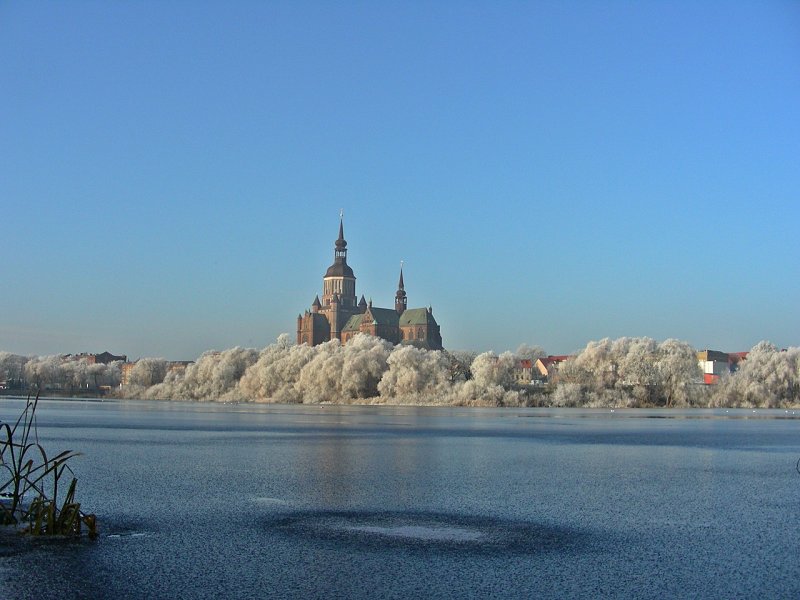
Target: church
x=341, y=316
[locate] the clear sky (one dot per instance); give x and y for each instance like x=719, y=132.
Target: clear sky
x=171, y=173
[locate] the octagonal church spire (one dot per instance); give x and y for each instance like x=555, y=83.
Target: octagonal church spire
x=339, y=279
x=400, y=300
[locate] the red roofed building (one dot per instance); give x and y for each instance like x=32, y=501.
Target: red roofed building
x=548, y=366
x=714, y=364
x=524, y=371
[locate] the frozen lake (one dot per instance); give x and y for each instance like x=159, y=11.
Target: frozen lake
x=212, y=501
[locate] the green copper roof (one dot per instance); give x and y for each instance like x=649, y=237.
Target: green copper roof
x=353, y=323
x=417, y=316
x=384, y=316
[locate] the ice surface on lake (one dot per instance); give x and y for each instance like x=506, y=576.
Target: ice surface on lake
x=420, y=532
x=216, y=501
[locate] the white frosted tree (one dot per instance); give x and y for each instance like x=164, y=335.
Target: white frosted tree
x=44, y=371
x=12, y=367
x=76, y=374
x=147, y=372
x=768, y=378
x=491, y=382
x=628, y=372
x=679, y=373
x=634, y=360
x=274, y=376
x=527, y=352
x=321, y=378
x=213, y=376
x=416, y=376
x=459, y=362
x=363, y=366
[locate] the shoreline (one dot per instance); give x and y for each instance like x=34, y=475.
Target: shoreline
x=785, y=412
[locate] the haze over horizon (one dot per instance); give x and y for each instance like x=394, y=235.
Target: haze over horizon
x=171, y=174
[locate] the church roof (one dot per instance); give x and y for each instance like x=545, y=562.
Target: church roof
x=353, y=323
x=384, y=316
x=339, y=269
x=417, y=316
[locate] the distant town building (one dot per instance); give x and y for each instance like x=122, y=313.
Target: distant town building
x=340, y=315
x=547, y=366
x=524, y=371
x=125, y=373
x=714, y=364
x=734, y=358
x=104, y=358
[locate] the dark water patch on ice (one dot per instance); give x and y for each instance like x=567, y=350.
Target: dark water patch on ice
x=433, y=531
x=15, y=543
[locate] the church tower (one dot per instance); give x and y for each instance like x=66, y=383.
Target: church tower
x=400, y=300
x=339, y=281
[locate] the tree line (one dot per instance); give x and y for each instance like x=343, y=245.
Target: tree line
x=626, y=372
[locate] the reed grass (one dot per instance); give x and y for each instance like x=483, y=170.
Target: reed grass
x=28, y=473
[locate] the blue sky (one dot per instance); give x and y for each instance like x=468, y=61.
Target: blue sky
x=171, y=173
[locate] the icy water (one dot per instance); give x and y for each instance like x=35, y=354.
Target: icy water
x=251, y=501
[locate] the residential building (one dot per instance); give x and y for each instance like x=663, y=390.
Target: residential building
x=547, y=366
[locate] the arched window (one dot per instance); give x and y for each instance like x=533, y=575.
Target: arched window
x=419, y=333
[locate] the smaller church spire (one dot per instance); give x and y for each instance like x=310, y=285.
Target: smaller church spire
x=400, y=285
x=400, y=300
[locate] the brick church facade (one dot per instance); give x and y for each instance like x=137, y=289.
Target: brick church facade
x=339, y=315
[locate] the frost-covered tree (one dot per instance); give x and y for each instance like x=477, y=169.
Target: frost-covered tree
x=768, y=378
x=490, y=369
x=592, y=369
x=491, y=382
x=568, y=394
x=321, y=378
x=628, y=372
x=106, y=375
x=416, y=376
x=459, y=362
x=76, y=374
x=147, y=372
x=533, y=353
x=213, y=376
x=62, y=372
x=678, y=373
x=44, y=371
x=274, y=376
x=12, y=366
x=365, y=362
